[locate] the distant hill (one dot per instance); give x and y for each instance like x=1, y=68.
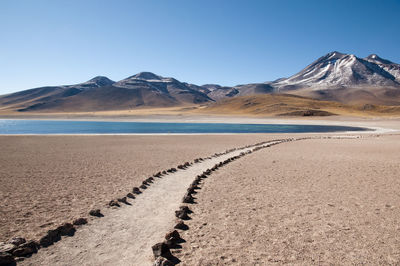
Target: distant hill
x=100, y=93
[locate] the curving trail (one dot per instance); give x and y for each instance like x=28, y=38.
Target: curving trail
x=125, y=236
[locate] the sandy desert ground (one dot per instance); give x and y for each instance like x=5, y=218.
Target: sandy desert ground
x=318, y=201
x=47, y=180
x=308, y=202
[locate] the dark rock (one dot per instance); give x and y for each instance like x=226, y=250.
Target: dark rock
x=96, y=212
x=79, y=221
x=130, y=195
x=145, y=183
x=185, y=209
x=123, y=200
x=136, y=190
x=188, y=198
x=194, y=185
x=164, y=172
x=190, y=190
x=173, y=236
x=17, y=241
x=161, y=250
x=161, y=261
x=181, y=214
x=51, y=237
x=32, y=244
x=143, y=186
x=150, y=179
x=66, y=229
x=6, y=258
x=181, y=225
x=26, y=249
x=21, y=252
x=113, y=203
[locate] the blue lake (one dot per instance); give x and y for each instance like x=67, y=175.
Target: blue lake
x=8, y=126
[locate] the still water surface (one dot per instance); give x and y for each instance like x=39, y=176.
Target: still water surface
x=17, y=126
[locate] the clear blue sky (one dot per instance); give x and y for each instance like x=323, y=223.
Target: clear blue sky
x=227, y=42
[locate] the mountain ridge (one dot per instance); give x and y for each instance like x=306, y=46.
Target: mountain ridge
x=335, y=76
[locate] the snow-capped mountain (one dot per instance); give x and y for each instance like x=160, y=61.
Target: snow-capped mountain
x=337, y=70
x=386, y=65
x=335, y=76
x=346, y=78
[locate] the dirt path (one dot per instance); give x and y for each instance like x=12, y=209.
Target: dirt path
x=125, y=236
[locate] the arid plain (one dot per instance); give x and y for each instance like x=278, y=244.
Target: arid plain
x=319, y=201
x=51, y=179
x=316, y=201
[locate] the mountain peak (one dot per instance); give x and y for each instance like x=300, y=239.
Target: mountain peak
x=375, y=58
x=338, y=70
x=101, y=81
x=335, y=53
x=332, y=57
x=146, y=76
x=96, y=82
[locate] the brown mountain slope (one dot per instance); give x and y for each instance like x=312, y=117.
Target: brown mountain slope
x=356, y=95
x=143, y=90
x=101, y=99
x=35, y=96
x=291, y=105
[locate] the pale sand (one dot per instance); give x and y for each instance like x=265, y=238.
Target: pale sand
x=308, y=202
x=47, y=180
